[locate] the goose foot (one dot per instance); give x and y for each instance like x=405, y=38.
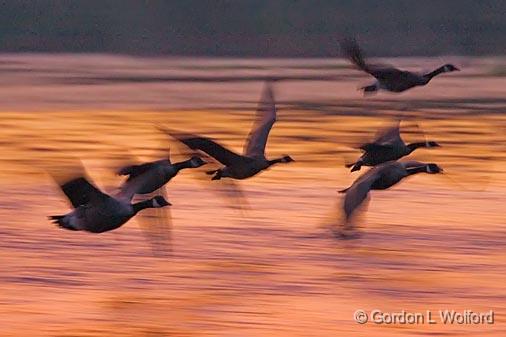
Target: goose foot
x=217, y=174
x=345, y=233
x=356, y=167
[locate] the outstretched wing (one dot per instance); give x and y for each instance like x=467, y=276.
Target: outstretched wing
x=207, y=145
x=265, y=119
x=353, y=53
x=358, y=191
x=156, y=225
x=80, y=191
x=390, y=135
x=386, y=139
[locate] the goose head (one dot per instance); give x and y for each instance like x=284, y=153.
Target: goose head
x=449, y=68
x=286, y=159
x=433, y=168
x=432, y=144
x=159, y=201
x=196, y=162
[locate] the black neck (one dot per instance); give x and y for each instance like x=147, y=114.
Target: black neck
x=436, y=72
x=413, y=146
x=414, y=170
x=139, y=206
x=182, y=165
x=275, y=161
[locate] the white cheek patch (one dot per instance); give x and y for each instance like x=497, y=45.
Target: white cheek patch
x=429, y=170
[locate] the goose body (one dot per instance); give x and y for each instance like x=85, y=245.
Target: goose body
x=97, y=212
x=387, y=146
x=148, y=177
x=382, y=177
x=253, y=159
x=389, y=78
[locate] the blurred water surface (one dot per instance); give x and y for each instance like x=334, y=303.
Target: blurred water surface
x=430, y=243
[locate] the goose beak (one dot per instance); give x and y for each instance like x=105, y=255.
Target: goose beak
x=165, y=203
x=160, y=202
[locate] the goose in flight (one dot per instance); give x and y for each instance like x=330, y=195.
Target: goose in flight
x=387, y=146
x=382, y=177
x=387, y=77
x=253, y=159
x=148, y=177
x=97, y=212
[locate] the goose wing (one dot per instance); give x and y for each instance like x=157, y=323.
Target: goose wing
x=358, y=191
x=209, y=146
x=353, y=53
x=156, y=225
x=265, y=119
x=80, y=191
x=390, y=135
x=386, y=138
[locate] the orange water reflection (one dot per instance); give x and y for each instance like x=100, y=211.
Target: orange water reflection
x=274, y=269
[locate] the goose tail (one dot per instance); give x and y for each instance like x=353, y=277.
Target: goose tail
x=355, y=166
x=59, y=220
x=55, y=218
x=369, y=89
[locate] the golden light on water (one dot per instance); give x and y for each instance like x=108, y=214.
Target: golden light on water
x=429, y=243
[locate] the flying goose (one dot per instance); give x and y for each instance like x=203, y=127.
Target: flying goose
x=387, y=145
x=253, y=159
x=97, y=212
x=387, y=77
x=149, y=177
x=382, y=177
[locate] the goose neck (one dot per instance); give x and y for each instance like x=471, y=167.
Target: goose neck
x=139, y=206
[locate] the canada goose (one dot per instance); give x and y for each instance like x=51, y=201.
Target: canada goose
x=253, y=159
x=382, y=177
x=97, y=212
x=149, y=177
x=389, y=78
x=387, y=145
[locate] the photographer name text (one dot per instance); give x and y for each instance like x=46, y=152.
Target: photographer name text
x=446, y=316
